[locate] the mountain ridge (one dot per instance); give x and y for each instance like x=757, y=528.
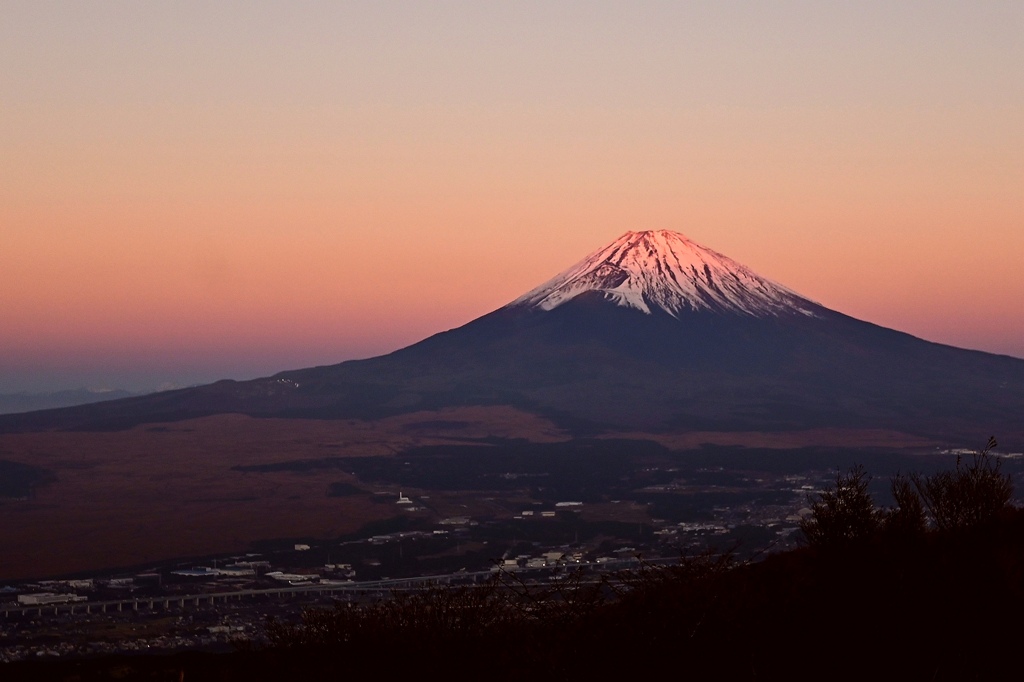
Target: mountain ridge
x=25, y=401
x=596, y=361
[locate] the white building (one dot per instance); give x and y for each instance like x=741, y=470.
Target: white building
x=40, y=598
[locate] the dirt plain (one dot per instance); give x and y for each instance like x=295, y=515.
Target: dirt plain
x=160, y=491
x=164, y=491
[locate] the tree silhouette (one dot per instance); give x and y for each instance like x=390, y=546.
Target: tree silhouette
x=843, y=512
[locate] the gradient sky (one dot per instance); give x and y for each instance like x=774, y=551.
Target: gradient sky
x=191, y=192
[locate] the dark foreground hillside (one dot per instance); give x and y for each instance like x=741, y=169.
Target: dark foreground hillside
x=934, y=606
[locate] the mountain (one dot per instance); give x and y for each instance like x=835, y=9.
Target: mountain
x=28, y=402
x=652, y=332
x=666, y=271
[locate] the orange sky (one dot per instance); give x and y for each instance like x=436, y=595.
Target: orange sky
x=188, y=194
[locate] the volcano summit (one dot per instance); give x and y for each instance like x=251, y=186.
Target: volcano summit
x=652, y=331
x=667, y=271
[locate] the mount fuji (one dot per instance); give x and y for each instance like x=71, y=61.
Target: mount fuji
x=652, y=332
x=666, y=271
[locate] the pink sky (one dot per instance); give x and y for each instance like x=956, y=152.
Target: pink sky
x=188, y=194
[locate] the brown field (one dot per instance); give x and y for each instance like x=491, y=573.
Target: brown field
x=162, y=491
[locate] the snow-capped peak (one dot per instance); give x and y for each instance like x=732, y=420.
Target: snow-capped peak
x=665, y=270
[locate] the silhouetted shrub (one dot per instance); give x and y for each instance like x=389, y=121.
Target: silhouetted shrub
x=843, y=512
x=907, y=518
x=970, y=495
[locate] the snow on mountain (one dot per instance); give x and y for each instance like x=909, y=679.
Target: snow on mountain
x=665, y=270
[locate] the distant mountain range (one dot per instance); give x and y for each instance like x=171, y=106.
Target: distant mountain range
x=651, y=332
x=28, y=402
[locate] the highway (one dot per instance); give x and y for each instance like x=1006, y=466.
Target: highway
x=384, y=587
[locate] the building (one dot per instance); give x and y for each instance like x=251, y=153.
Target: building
x=43, y=598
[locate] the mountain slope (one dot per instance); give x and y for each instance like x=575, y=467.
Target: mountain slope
x=665, y=270
x=653, y=332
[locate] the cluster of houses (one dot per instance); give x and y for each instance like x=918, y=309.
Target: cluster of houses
x=545, y=560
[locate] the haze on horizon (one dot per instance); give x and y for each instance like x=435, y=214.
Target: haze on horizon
x=191, y=193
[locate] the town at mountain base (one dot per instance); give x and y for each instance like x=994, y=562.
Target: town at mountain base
x=943, y=606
